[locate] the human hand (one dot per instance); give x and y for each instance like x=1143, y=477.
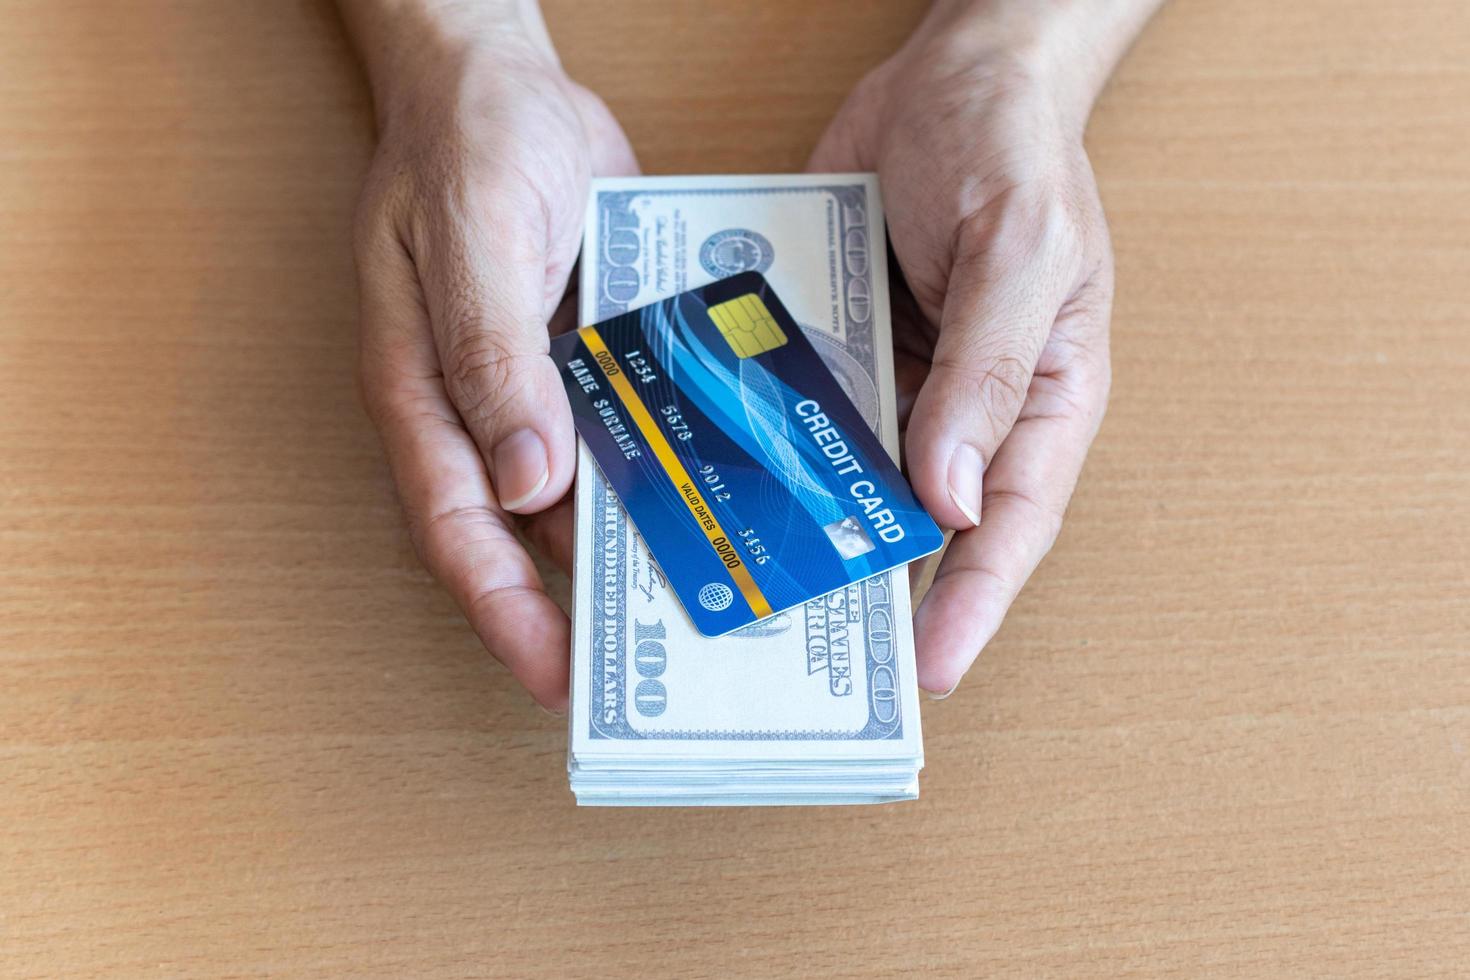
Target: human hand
x=1001, y=341
x=468, y=227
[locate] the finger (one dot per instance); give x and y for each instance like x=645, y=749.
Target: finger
x=484, y=267
x=1027, y=488
x=551, y=531
x=1013, y=268
x=460, y=532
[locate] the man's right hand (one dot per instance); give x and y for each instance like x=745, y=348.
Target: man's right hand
x=467, y=230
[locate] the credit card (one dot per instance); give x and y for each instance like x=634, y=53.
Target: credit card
x=746, y=469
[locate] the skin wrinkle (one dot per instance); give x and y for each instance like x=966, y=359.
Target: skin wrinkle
x=999, y=385
x=1047, y=389
x=464, y=514
x=487, y=381
x=503, y=576
x=498, y=595
x=1071, y=356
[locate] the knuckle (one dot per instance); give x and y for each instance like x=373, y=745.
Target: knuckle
x=443, y=537
x=393, y=410
x=975, y=235
x=1000, y=388
x=480, y=603
x=441, y=527
x=482, y=375
x=473, y=360
x=1004, y=379
x=1080, y=386
x=981, y=578
x=1044, y=224
x=995, y=384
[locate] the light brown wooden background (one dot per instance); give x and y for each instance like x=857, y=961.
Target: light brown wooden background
x=1225, y=731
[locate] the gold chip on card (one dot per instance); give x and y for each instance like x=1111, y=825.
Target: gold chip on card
x=747, y=325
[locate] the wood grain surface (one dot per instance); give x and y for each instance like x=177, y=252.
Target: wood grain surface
x=1226, y=731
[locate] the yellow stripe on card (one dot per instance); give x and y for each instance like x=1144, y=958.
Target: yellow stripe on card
x=688, y=490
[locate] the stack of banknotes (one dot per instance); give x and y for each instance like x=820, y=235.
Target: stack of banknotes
x=817, y=704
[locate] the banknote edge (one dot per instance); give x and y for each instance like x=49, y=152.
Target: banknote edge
x=906, y=727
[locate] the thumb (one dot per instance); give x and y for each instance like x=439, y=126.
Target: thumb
x=485, y=284
x=1005, y=290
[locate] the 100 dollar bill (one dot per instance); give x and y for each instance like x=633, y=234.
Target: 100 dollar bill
x=833, y=679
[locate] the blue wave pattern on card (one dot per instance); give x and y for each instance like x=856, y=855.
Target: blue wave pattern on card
x=749, y=473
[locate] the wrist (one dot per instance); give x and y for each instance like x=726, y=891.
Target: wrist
x=1063, y=49
x=418, y=50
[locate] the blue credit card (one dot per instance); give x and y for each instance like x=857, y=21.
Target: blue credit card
x=746, y=469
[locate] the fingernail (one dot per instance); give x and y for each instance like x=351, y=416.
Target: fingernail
x=940, y=697
x=550, y=711
x=520, y=468
x=965, y=471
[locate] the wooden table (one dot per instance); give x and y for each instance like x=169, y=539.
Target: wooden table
x=1225, y=731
